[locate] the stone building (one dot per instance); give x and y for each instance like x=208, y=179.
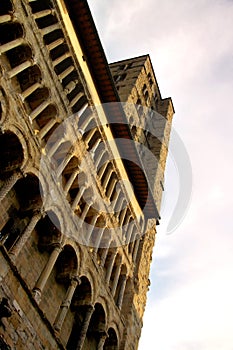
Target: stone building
x=75, y=238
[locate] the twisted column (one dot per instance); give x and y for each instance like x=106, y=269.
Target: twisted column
x=14, y=251
x=9, y=184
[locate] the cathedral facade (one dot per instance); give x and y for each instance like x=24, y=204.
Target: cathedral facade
x=79, y=198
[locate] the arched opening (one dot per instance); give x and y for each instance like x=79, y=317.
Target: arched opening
x=19, y=55
x=37, y=97
x=66, y=265
x=85, y=118
x=127, y=298
x=120, y=290
x=6, y=7
x=61, y=153
x=45, y=118
x=115, y=274
x=20, y=205
x=96, y=328
x=82, y=312
x=38, y=6
x=10, y=31
x=70, y=173
x=29, y=77
x=111, y=342
x=11, y=154
x=49, y=231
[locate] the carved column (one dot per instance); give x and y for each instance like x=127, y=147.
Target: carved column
x=40, y=284
x=66, y=304
x=9, y=184
x=84, y=327
x=25, y=236
x=122, y=291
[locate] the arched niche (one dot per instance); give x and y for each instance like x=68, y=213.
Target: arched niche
x=20, y=204
x=11, y=154
x=97, y=327
x=66, y=265
x=48, y=230
x=111, y=342
x=6, y=7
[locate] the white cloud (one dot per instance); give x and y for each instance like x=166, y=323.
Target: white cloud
x=190, y=304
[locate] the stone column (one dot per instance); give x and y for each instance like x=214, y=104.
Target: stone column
x=110, y=267
x=78, y=197
x=48, y=126
x=11, y=45
x=66, y=304
x=92, y=226
x=84, y=327
x=116, y=279
x=102, y=169
x=40, y=284
x=135, y=251
x=55, y=146
x=107, y=178
x=30, y=90
x=9, y=184
x=20, y=68
x=99, y=158
x=85, y=210
x=122, y=291
x=98, y=240
x=111, y=188
x=64, y=162
x=14, y=251
x=129, y=232
x=122, y=216
x=89, y=135
x=104, y=256
x=71, y=180
x=102, y=339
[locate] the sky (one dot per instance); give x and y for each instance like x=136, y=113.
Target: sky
x=190, y=302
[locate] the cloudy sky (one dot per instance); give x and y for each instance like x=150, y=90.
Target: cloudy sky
x=190, y=303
